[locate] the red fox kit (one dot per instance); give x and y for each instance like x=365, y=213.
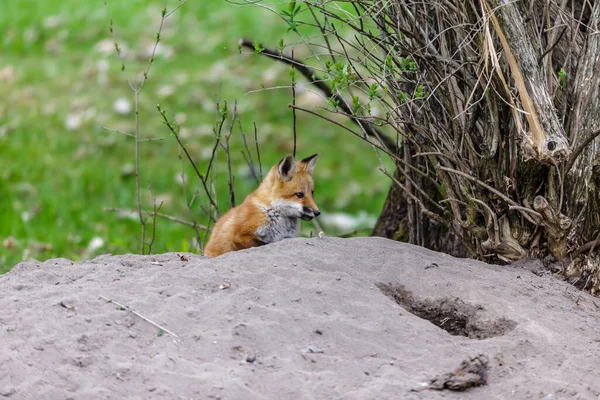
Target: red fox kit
x=271, y=212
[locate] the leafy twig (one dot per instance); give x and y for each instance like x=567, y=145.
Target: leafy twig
x=311, y=76
x=137, y=88
x=175, y=132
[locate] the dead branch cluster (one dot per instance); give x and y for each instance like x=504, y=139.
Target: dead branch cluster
x=493, y=105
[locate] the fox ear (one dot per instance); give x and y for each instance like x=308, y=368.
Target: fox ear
x=286, y=167
x=310, y=162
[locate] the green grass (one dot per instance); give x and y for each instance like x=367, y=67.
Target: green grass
x=60, y=79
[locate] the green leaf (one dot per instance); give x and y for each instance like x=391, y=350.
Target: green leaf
x=562, y=75
x=334, y=103
x=403, y=97
x=389, y=61
x=355, y=104
x=373, y=91
x=257, y=47
x=293, y=26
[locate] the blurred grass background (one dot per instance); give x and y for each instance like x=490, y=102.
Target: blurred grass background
x=60, y=83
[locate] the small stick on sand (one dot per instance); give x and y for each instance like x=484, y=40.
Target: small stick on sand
x=139, y=315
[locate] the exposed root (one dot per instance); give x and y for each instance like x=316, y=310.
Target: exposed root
x=557, y=227
x=508, y=248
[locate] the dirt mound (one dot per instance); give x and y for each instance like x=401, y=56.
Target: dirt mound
x=362, y=318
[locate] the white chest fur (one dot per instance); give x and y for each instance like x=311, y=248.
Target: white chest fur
x=282, y=221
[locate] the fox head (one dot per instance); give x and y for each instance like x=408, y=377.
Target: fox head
x=292, y=187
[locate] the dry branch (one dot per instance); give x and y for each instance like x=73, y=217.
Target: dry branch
x=139, y=315
x=546, y=134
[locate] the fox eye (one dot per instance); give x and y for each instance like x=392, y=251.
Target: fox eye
x=299, y=195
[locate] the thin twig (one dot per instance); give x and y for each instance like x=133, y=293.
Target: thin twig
x=162, y=328
x=293, y=75
x=577, y=151
x=491, y=189
x=117, y=131
x=225, y=146
x=213, y=153
x=137, y=169
x=154, y=215
x=176, y=8
x=367, y=140
x=310, y=75
x=175, y=133
x=422, y=207
x=257, y=151
x=192, y=224
x=248, y=154
x=137, y=90
x=541, y=58
x=185, y=196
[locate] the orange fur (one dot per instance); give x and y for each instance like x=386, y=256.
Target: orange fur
x=269, y=213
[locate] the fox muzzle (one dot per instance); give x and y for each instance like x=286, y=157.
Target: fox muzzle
x=308, y=213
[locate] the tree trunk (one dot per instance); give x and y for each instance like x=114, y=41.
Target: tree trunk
x=393, y=224
x=533, y=140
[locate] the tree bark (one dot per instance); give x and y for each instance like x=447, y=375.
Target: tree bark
x=545, y=139
x=581, y=195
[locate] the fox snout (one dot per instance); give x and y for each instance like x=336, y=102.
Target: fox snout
x=309, y=213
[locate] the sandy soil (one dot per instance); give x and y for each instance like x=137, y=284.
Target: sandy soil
x=299, y=319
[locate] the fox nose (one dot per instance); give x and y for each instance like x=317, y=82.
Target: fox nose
x=317, y=213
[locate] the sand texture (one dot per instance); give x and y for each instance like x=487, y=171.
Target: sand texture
x=362, y=318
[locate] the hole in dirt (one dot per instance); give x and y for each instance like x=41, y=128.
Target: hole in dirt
x=452, y=315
